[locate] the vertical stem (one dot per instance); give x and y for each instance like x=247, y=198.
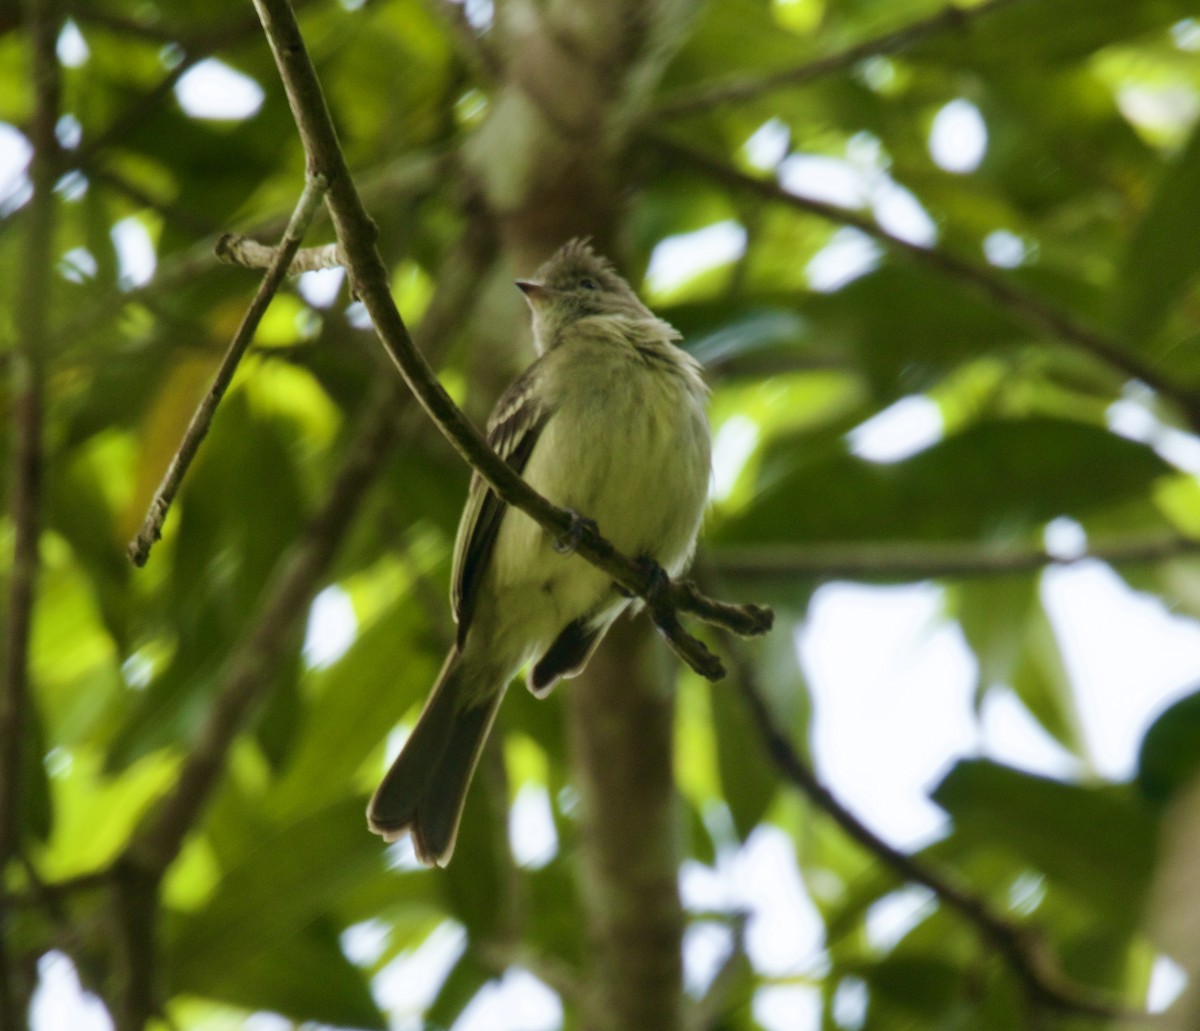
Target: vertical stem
x=25, y=466
x=621, y=714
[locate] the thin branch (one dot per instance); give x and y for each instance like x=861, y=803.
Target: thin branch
x=151, y=528
x=138, y=872
x=1035, y=312
x=206, y=38
x=173, y=215
x=1020, y=947
x=951, y=18
x=235, y=249
x=402, y=178
x=369, y=280
x=925, y=561
x=158, y=840
x=134, y=115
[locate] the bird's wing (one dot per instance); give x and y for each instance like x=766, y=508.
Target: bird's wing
x=513, y=431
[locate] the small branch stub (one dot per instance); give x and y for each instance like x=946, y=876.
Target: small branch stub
x=235, y=249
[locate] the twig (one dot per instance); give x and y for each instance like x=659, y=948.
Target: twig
x=404, y=177
x=951, y=17
x=1020, y=947
x=235, y=249
x=369, y=280
x=151, y=528
x=1035, y=312
x=925, y=561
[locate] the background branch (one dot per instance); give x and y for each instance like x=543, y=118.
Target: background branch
x=950, y=18
x=1032, y=310
x=31, y=313
x=919, y=560
x=1020, y=947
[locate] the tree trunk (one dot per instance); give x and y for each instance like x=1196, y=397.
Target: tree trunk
x=621, y=729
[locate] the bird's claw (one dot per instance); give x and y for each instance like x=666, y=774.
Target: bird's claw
x=569, y=541
x=659, y=581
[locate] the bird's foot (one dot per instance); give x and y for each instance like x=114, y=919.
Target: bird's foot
x=659, y=581
x=569, y=541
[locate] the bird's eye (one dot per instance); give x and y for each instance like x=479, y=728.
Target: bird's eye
x=588, y=283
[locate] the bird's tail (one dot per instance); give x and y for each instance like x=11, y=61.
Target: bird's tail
x=425, y=788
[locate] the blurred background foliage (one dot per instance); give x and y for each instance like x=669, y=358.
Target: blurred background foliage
x=1049, y=146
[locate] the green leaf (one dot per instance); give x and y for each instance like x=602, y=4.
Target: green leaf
x=1033, y=35
x=461, y=985
x=995, y=480
x=1042, y=682
x=748, y=780
x=354, y=704
x=1169, y=758
x=1163, y=254
x=993, y=613
x=304, y=976
x=285, y=881
x=1097, y=843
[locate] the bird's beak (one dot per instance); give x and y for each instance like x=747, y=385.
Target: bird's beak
x=534, y=292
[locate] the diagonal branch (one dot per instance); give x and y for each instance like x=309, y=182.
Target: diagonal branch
x=1019, y=946
x=950, y=18
x=151, y=528
x=246, y=679
x=369, y=280
x=921, y=560
x=1038, y=314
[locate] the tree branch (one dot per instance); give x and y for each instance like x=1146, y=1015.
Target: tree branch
x=370, y=282
x=950, y=18
x=907, y=561
x=1038, y=314
x=158, y=840
x=1019, y=946
x=408, y=175
x=620, y=723
x=151, y=528
x=31, y=313
x=236, y=249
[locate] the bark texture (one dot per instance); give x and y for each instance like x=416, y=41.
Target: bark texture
x=621, y=722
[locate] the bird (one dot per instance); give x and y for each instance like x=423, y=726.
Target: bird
x=608, y=422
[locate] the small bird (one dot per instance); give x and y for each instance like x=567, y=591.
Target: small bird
x=608, y=422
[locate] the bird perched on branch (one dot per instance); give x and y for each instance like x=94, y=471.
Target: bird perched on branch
x=608, y=422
